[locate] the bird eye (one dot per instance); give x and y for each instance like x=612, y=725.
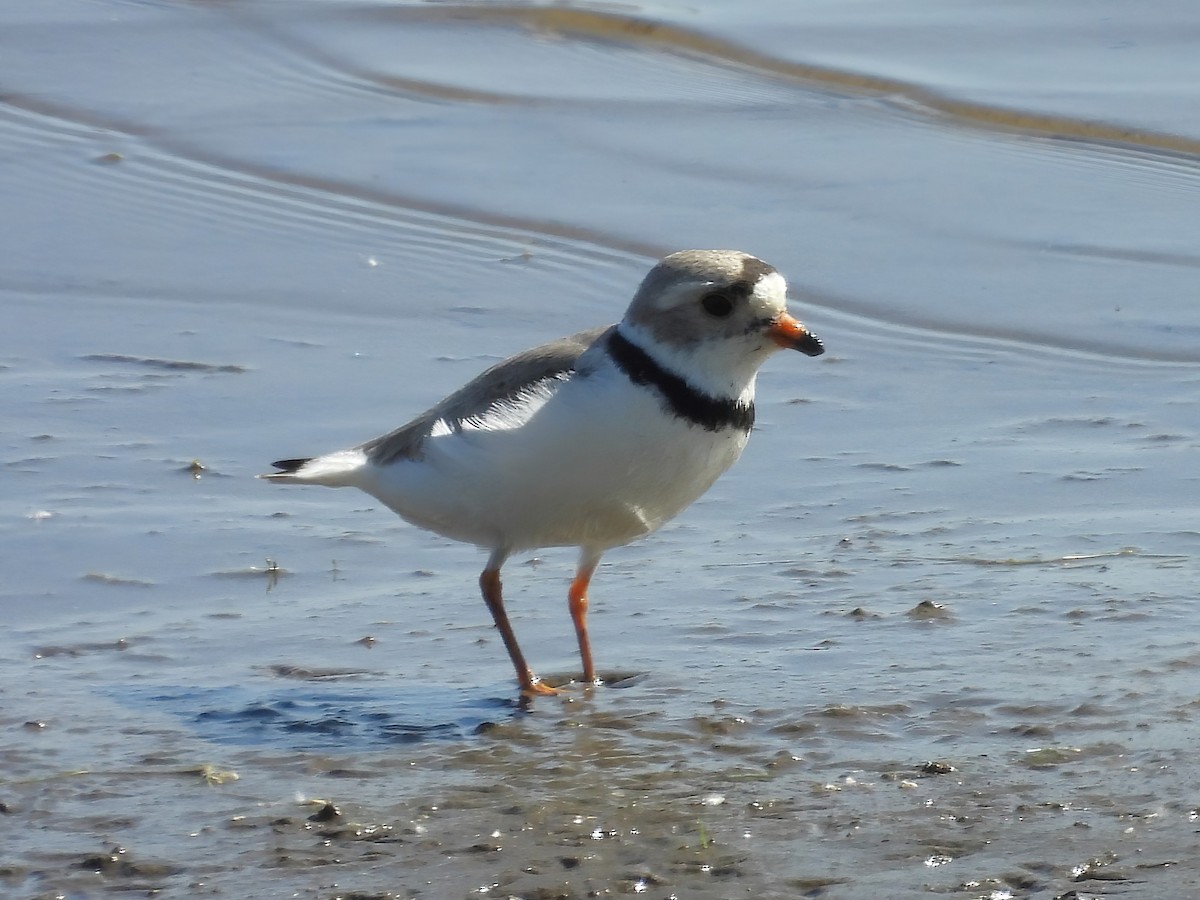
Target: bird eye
x=717, y=304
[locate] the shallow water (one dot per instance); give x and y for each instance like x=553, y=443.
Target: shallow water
x=933, y=635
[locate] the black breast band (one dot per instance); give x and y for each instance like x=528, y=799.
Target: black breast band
x=679, y=397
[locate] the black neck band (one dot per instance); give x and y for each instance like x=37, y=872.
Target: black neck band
x=679, y=397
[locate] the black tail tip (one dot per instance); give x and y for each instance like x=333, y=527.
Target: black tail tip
x=288, y=466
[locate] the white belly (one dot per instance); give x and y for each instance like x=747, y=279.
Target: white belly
x=599, y=464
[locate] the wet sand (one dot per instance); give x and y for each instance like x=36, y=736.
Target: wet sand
x=933, y=635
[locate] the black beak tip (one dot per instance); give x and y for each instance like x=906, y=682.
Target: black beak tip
x=811, y=345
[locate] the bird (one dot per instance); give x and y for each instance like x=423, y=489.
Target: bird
x=589, y=441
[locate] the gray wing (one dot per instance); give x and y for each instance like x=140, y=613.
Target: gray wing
x=500, y=384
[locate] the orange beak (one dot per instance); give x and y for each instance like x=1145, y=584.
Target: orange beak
x=787, y=332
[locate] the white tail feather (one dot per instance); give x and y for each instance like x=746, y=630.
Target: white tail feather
x=341, y=469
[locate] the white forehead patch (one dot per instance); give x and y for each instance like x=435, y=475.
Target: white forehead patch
x=771, y=291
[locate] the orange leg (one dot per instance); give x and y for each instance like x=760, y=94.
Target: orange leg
x=489, y=584
x=577, y=599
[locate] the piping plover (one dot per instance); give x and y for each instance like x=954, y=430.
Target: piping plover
x=590, y=441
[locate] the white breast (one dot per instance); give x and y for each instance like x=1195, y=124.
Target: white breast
x=597, y=463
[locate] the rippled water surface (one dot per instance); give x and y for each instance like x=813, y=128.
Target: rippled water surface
x=934, y=635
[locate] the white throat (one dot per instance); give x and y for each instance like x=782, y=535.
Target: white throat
x=721, y=369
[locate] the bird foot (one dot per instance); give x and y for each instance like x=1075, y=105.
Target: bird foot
x=539, y=688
